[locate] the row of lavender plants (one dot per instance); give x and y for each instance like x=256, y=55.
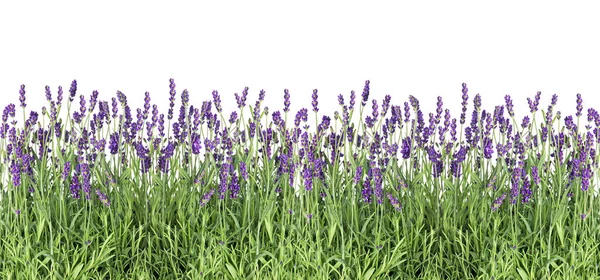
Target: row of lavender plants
x=94, y=188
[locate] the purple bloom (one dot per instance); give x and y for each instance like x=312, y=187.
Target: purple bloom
x=488, y=148
x=352, y=100
x=206, y=197
x=341, y=99
x=15, y=170
x=394, y=201
x=48, y=93
x=406, y=112
x=233, y=117
x=515, y=180
x=367, y=190
x=196, y=144
x=535, y=175
x=579, y=105
x=75, y=187
x=375, y=110
x=114, y=143
x=73, y=90
x=302, y=115
x=525, y=123
x=244, y=171
x=59, y=96
x=465, y=98
x=406, y=147
x=172, y=94
x=66, y=170
x=223, y=180
x=498, y=202
x=9, y=111
x=22, y=96
x=365, y=94
x=234, y=187
x=87, y=187
x=378, y=185
x=358, y=174
x=103, y=198
x=307, y=176
x=217, y=100
x=509, y=105
x=315, y=102
x=586, y=175
x=526, y=191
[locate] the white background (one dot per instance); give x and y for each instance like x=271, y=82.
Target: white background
x=425, y=49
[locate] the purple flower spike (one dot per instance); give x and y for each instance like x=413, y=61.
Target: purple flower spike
x=358, y=175
x=394, y=201
x=286, y=102
x=206, y=197
x=217, y=100
x=579, y=105
x=59, y=96
x=73, y=90
x=352, y=100
x=465, y=98
x=15, y=170
x=66, y=170
x=48, y=93
x=172, y=94
x=315, y=102
x=103, y=198
x=365, y=94
x=22, y=96
x=535, y=175
x=498, y=202
x=509, y=106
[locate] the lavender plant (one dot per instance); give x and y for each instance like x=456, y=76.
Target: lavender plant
x=111, y=191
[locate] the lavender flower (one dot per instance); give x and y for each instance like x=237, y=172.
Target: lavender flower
x=75, y=187
x=509, y=105
x=535, y=175
x=315, y=102
x=87, y=187
x=48, y=93
x=9, y=111
x=302, y=115
x=15, y=170
x=59, y=96
x=378, y=185
x=358, y=174
x=244, y=171
x=365, y=94
x=172, y=94
x=72, y=90
x=66, y=170
x=465, y=98
x=367, y=190
x=352, y=100
x=307, y=176
x=526, y=191
x=103, y=198
x=579, y=105
x=375, y=110
x=498, y=202
x=217, y=100
x=206, y=197
x=22, y=96
x=234, y=187
x=394, y=201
